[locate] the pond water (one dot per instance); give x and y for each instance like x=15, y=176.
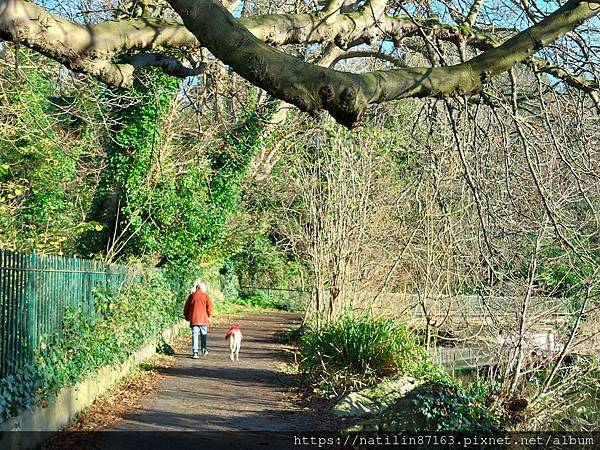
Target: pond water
x=467, y=363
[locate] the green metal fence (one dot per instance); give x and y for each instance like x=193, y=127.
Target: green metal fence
x=35, y=292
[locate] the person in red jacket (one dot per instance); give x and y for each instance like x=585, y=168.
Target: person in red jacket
x=197, y=310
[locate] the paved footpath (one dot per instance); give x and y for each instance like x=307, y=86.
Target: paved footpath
x=212, y=402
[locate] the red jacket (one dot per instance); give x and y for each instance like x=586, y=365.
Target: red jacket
x=198, y=308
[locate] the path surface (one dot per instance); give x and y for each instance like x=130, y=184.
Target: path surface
x=222, y=399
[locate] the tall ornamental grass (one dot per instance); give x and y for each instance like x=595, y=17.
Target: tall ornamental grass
x=357, y=351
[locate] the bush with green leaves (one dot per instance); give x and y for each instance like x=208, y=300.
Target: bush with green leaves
x=260, y=263
x=229, y=281
x=440, y=406
x=561, y=275
x=262, y=300
x=449, y=406
x=152, y=203
x=44, y=159
x=357, y=351
x=120, y=325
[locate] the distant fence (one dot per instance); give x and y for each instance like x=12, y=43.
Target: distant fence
x=35, y=292
x=411, y=305
x=468, y=305
x=456, y=358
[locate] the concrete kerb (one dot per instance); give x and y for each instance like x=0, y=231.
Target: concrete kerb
x=72, y=400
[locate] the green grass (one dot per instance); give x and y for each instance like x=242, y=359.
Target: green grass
x=272, y=302
x=229, y=308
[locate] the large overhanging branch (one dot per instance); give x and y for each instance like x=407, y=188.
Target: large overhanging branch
x=346, y=95
x=93, y=49
x=113, y=50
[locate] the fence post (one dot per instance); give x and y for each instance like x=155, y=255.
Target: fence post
x=3, y=312
x=32, y=317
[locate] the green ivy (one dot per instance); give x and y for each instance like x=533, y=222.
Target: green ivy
x=448, y=406
x=120, y=325
x=126, y=192
x=173, y=217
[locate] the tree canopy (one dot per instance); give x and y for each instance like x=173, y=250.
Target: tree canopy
x=300, y=52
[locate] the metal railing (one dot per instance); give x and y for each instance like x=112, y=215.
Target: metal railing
x=35, y=292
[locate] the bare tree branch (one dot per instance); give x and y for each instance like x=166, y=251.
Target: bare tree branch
x=346, y=95
x=366, y=54
x=105, y=50
x=473, y=12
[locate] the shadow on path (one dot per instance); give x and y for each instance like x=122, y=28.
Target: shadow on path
x=220, y=401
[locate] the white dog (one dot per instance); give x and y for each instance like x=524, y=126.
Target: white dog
x=235, y=341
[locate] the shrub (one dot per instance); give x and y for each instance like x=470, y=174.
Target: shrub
x=229, y=281
x=448, y=406
x=440, y=406
x=356, y=351
x=261, y=300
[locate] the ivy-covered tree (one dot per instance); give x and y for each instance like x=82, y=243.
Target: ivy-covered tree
x=148, y=203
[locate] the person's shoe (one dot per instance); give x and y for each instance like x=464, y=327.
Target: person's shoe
x=195, y=355
x=204, y=352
